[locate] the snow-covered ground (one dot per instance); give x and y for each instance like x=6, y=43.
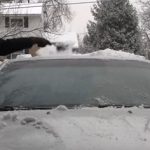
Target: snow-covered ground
x=76, y=129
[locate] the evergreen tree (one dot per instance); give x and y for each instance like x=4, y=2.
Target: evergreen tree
x=115, y=26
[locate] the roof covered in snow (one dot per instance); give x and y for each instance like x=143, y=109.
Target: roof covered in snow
x=21, y=9
x=50, y=52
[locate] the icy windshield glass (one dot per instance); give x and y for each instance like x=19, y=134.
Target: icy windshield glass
x=75, y=82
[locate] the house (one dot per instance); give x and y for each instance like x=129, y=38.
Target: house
x=28, y=19
x=21, y=19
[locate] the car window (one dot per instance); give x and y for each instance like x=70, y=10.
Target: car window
x=75, y=82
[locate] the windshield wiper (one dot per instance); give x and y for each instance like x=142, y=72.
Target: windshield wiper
x=7, y=108
x=120, y=106
x=114, y=105
x=13, y=108
x=103, y=102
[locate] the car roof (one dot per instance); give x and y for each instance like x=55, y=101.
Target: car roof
x=107, y=54
x=69, y=57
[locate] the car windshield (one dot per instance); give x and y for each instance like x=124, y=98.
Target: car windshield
x=74, y=82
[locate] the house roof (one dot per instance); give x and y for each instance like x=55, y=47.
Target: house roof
x=21, y=9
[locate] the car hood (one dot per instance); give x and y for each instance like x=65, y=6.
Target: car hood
x=76, y=129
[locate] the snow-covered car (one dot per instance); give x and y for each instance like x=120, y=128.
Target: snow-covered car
x=75, y=104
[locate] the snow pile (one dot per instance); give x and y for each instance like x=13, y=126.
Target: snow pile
x=113, y=54
x=61, y=108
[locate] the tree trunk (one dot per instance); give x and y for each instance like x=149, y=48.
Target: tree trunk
x=148, y=41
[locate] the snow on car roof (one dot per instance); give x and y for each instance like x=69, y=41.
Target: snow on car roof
x=107, y=54
x=101, y=54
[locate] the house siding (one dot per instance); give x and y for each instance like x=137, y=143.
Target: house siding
x=33, y=23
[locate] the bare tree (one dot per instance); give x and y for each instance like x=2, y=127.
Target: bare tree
x=145, y=19
x=145, y=26
x=56, y=12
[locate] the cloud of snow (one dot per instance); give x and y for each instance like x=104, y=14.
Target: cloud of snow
x=52, y=51
x=47, y=51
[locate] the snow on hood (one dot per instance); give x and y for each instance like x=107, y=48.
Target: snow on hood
x=50, y=52
x=76, y=129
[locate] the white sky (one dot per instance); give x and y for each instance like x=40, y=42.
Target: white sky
x=81, y=15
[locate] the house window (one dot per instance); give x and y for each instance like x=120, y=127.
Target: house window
x=7, y=22
x=26, y=23
x=15, y=22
